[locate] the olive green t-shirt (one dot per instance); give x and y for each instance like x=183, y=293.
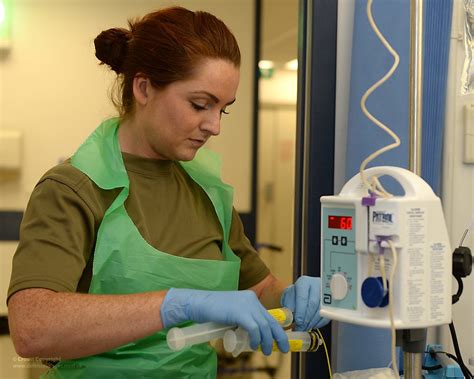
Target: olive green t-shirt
x=171, y=211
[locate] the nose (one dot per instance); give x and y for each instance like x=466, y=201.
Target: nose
x=212, y=125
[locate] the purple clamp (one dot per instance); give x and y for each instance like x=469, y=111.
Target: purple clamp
x=369, y=201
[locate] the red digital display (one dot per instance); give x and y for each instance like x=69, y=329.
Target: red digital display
x=340, y=222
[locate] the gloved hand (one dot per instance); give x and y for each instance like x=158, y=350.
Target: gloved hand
x=304, y=299
x=241, y=308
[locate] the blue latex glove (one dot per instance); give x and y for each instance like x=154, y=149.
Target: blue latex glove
x=304, y=299
x=241, y=308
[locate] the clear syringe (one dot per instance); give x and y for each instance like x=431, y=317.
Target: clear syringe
x=237, y=341
x=179, y=338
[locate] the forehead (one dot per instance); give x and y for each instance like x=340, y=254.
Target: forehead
x=216, y=76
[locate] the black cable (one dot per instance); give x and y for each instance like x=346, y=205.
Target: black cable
x=432, y=368
x=458, y=294
x=464, y=368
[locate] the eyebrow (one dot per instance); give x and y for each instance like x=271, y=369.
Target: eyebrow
x=213, y=97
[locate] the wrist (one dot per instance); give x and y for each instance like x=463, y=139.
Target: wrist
x=174, y=309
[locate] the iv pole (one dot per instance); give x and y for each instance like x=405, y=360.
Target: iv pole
x=416, y=84
x=413, y=341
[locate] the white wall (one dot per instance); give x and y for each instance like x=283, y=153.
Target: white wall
x=345, y=23
x=53, y=90
x=276, y=179
x=281, y=88
x=458, y=187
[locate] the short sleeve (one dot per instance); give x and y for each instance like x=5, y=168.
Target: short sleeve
x=252, y=269
x=57, y=235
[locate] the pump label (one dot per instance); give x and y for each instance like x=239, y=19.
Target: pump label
x=439, y=254
x=417, y=265
x=382, y=217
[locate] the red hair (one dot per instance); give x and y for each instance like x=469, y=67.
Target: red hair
x=165, y=46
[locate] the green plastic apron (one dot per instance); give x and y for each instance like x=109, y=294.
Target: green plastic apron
x=125, y=263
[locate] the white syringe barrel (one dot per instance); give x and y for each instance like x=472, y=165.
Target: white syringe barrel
x=237, y=341
x=179, y=338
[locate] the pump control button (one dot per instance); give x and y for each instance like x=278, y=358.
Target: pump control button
x=339, y=286
x=373, y=293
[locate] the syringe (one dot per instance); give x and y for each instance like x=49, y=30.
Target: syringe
x=237, y=341
x=179, y=338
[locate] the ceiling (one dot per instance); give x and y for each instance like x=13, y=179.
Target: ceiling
x=279, y=30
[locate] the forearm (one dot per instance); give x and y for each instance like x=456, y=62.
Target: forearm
x=50, y=324
x=269, y=291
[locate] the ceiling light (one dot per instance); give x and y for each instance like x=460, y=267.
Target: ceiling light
x=292, y=65
x=265, y=65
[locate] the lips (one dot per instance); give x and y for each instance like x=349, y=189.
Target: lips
x=197, y=142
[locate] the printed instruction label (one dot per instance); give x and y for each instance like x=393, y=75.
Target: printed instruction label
x=415, y=291
x=438, y=254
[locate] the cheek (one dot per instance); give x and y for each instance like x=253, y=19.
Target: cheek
x=185, y=122
x=169, y=123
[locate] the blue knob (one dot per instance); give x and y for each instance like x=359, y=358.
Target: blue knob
x=373, y=294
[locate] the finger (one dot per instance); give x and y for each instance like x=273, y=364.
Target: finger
x=254, y=335
x=302, y=292
x=312, y=310
x=266, y=336
x=321, y=323
x=288, y=298
x=280, y=337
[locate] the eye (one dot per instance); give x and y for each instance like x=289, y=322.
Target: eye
x=224, y=111
x=198, y=107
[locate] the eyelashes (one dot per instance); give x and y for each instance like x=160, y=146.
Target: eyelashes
x=199, y=108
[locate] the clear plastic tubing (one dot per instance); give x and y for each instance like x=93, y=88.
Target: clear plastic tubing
x=179, y=338
x=237, y=341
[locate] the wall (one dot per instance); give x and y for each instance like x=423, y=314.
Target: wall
x=53, y=90
x=281, y=88
x=458, y=188
x=276, y=165
x=276, y=181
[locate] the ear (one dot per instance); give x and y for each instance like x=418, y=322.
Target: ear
x=141, y=89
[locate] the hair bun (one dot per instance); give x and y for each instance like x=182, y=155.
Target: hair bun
x=111, y=47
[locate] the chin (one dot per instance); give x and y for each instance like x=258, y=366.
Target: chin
x=186, y=155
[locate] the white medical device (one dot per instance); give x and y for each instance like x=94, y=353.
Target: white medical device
x=356, y=231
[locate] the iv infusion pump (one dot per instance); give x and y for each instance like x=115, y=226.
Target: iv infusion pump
x=358, y=231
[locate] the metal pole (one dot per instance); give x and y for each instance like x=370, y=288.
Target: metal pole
x=302, y=155
x=416, y=84
x=412, y=363
x=413, y=357
x=413, y=343
x=306, y=152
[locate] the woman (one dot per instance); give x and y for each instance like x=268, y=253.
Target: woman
x=136, y=233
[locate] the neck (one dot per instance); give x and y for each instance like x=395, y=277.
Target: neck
x=132, y=139
x=126, y=137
